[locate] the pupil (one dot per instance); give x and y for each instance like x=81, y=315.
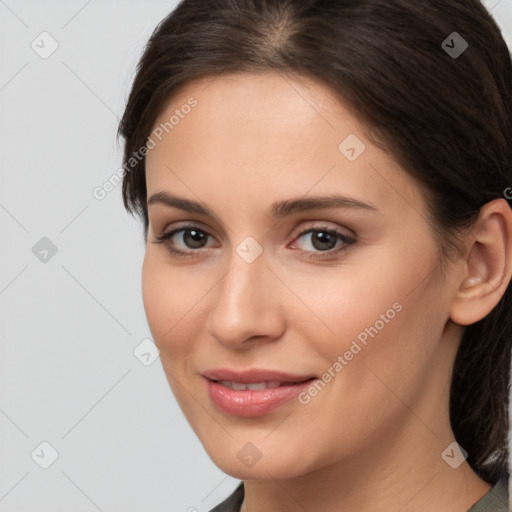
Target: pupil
x=323, y=237
x=196, y=237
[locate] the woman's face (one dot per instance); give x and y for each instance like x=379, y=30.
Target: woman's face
x=270, y=277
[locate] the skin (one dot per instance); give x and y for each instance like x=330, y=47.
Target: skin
x=372, y=439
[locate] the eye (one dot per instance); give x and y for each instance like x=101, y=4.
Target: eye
x=324, y=240
x=191, y=237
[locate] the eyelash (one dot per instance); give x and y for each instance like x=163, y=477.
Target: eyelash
x=318, y=255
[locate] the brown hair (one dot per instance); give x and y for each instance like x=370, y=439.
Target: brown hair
x=445, y=118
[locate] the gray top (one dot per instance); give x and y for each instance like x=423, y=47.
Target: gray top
x=494, y=500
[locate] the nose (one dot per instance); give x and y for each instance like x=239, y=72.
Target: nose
x=246, y=305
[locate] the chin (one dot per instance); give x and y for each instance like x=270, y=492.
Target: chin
x=272, y=464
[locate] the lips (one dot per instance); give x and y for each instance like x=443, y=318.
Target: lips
x=253, y=392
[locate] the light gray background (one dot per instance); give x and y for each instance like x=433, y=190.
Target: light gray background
x=70, y=325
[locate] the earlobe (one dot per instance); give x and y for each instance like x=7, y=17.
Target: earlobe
x=488, y=264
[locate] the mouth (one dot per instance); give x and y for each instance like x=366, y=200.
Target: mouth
x=250, y=396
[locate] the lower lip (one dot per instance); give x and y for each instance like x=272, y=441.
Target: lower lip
x=253, y=402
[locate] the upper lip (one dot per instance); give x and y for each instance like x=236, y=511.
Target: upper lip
x=254, y=375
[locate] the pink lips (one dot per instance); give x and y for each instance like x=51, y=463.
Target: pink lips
x=250, y=402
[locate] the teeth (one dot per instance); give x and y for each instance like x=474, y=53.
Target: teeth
x=254, y=386
x=263, y=385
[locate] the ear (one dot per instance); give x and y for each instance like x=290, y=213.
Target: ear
x=488, y=264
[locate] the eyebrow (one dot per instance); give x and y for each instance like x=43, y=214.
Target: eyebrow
x=277, y=210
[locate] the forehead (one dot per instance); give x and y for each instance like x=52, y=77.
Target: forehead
x=271, y=100
x=269, y=134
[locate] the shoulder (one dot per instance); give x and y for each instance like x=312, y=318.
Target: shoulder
x=233, y=502
x=495, y=499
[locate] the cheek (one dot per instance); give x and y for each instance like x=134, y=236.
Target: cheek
x=385, y=317
x=387, y=333
x=155, y=305
x=167, y=300
x=172, y=298
x=386, y=326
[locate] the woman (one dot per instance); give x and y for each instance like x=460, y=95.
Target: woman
x=325, y=187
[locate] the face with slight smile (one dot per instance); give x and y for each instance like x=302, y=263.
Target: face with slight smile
x=346, y=295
